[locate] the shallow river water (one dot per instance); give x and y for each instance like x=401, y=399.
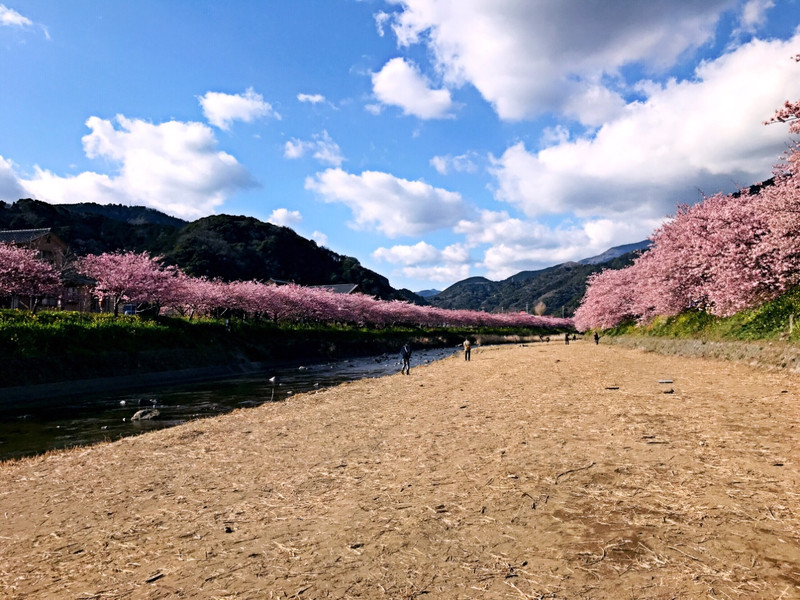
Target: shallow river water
x=89, y=419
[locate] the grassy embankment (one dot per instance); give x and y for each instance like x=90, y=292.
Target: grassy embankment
x=60, y=346
x=775, y=320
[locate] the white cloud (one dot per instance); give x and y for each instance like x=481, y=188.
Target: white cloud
x=754, y=14
x=320, y=238
x=439, y=273
x=381, y=19
x=399, y=83
x=9, y=17
x=387, y=203
x=515, y=245
x=463, y=163
x=285, y=217
x=527, y=57
x=221, y=109
x=322, y=148
x=706, y=133
x=424, y=261
x=174, y=167
x=420, y=253
x=311, y=98
x=10, y=187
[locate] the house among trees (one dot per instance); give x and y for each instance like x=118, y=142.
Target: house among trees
x=338, y=288
x=76, y=294
x=50, y=247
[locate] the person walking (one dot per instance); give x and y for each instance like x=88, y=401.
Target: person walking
x=405, y=354
x=467, y=348
x=566, y=339
x=596, y=338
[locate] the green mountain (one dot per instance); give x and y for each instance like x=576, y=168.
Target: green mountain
x=559, y=289
x=220, y=246
x=245, y=248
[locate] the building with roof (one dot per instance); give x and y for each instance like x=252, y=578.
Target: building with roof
x=51, y=248
x=338, y=288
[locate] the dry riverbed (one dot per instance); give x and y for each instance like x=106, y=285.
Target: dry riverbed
x=537, y=471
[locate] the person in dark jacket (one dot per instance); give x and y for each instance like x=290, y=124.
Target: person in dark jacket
x=405, y=354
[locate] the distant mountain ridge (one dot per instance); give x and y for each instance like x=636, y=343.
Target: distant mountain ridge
x=221, y=246
x=558, y=289
x=615, y=252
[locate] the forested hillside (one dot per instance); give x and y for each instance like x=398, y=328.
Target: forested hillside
x=244, y=248
x=225, y=247
x=551, y=290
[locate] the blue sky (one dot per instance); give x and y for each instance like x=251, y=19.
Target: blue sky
x=433, y=140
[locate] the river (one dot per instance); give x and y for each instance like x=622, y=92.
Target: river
x=88, y=419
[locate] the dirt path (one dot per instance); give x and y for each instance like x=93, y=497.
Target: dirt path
x=543, y=471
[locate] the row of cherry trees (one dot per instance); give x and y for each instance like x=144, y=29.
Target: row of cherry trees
x=129, y=277
x=723, y=255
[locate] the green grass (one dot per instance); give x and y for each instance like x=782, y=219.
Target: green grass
x=769, y=321
x=61, y=346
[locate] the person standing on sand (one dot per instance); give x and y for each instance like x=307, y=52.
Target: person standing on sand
x=566, y=339
x=405, y=353
x=596, y=338
x=467, y=349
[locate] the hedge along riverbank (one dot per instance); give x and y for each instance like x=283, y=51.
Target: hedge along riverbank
x=52, y=347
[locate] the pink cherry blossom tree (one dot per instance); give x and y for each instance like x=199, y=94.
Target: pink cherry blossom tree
x=722, y=255
x=129, y=277
x=23, y=274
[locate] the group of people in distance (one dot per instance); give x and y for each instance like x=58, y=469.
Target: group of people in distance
x=405, y=351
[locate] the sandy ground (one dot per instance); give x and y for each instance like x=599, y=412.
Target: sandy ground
x=538, y=471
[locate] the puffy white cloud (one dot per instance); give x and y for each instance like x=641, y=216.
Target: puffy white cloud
x=420, y=253
x=285, y=217
x=463, y=163
x=381, y=20
x=399, y=83
x=498, y=227
x=705, y=133
x=515, y=245
x=387, y=203
x=532, y=56
x=320, y=238
x=311, y=98
x=10, y=17
x=174, y=167
x=10, y=187
x=221, y=109
x=424, y=261
x=321, y=147
x=754, y=14
x=439, y=273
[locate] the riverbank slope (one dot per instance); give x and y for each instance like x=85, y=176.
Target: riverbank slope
x=537, y=471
